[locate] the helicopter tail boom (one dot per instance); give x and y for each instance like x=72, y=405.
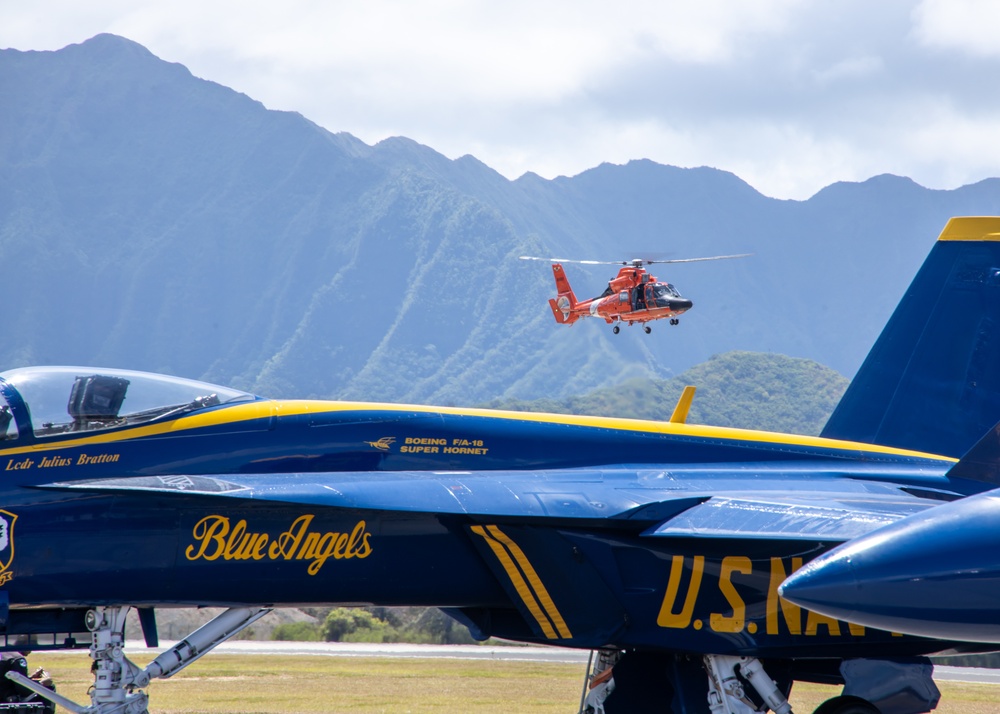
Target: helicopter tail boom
x=564, y=302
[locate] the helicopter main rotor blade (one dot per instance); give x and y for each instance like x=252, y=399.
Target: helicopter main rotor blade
x=637, y=262
x=570, y=260
x=696, y=260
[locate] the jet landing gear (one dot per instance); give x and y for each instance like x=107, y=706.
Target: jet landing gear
x=727, y=693
x=655, y=683
x=118, y=682
x=637, y=682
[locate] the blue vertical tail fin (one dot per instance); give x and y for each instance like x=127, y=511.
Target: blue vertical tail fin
x=932, y=381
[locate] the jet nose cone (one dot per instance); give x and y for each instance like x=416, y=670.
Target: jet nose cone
x=933, y=574
x=681, y=305
x=826, y=585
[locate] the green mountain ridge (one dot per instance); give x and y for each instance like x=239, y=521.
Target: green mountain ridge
x=745, y=390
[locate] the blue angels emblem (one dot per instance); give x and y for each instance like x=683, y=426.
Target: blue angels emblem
x=382, y=444
x=6, y=545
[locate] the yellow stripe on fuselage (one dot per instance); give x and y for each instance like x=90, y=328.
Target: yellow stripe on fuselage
x=636, y=425
x=265, y=409
x=217, y=417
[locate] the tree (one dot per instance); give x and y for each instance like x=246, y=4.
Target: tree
x=342, y=622
x=296, y=632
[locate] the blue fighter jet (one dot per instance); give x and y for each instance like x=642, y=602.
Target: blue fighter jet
x=661, y=546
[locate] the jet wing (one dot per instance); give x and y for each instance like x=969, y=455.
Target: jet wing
x=685, y=507
x=816, y=518
x=571, y=493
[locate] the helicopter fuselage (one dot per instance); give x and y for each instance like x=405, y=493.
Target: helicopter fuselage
x=633, y=296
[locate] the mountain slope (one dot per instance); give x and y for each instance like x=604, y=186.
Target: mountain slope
x=744, y=390
x=154, y=220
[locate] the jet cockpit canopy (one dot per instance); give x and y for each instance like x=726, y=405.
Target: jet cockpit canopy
x=58, y=400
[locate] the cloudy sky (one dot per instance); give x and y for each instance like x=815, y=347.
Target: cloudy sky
x=789, y=95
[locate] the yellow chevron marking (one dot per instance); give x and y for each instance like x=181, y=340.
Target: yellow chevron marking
x=519, y=585
x=536, y=583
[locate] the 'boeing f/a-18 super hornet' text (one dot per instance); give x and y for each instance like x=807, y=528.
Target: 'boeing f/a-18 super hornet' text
x=661, y=546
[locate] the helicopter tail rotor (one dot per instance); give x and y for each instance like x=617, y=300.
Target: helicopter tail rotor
x=564, y=302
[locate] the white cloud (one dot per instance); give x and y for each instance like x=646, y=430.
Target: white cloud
x=953, y=147
x=477, y=49
x=968, y=26
x=787, y=94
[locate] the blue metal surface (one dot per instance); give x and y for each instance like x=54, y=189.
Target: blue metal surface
x=682, y=549
x=930, y=382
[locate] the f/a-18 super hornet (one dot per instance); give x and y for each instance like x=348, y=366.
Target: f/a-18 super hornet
x=661, y=545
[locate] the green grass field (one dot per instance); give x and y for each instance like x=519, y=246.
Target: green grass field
x=258, y=684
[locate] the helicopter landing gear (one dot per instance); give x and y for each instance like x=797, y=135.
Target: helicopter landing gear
x=616, y=329
x=674, y=321
x=647, y=328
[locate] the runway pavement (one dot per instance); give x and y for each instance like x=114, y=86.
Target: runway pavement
x=521, y=653
x=967, y=674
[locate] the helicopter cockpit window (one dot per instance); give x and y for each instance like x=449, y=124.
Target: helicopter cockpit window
x=63, y=400
x=660, y=294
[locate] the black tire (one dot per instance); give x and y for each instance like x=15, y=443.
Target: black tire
x=616, y=329
x=846, y=705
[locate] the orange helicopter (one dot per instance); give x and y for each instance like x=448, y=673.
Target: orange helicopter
x=634, y=296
